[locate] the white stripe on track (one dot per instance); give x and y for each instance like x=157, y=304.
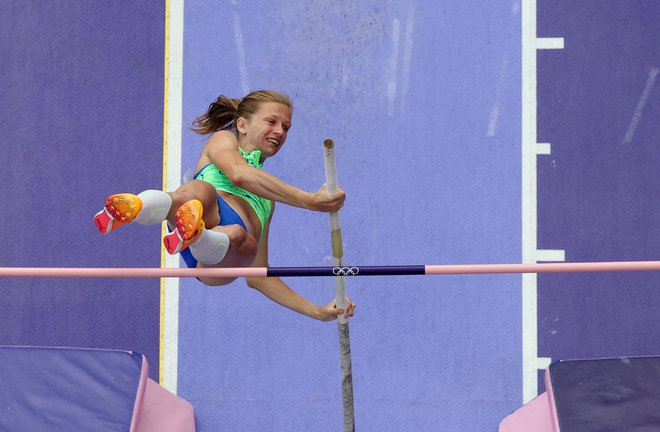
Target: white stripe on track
x=529, y=154
x=169, y=337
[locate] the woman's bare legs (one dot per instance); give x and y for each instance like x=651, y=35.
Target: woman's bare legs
x=241, y=253
x=240, y=247
x=199, y=190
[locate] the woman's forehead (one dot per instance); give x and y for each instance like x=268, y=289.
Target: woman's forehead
x=276, y=109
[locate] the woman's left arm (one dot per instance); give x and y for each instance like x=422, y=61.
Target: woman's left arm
x=275, y=289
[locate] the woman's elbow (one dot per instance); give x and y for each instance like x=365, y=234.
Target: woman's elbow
x=253, y=282
x=238, y=177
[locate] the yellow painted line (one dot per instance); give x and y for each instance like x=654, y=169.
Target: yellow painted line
x=161, y=341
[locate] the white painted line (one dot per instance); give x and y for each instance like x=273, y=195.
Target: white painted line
x=394, y=61
x=529, y=281
x=543, y=149
x=169, y=338
x=170, y=359
x=549, y=43
x=529, y=337
x=551, y=255
x=640, y=106
x=542, y=363
x=240, y=48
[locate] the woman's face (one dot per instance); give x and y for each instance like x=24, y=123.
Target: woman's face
x=266, y=130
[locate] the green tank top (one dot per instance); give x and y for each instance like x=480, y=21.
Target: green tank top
x=212, y=174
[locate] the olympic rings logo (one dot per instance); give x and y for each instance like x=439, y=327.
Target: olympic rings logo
x=345, y=271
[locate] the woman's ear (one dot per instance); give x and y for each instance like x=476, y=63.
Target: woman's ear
x=241, y=126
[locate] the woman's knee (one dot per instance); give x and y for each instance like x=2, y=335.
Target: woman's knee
x=195, y=189
x=244, y=243
x=202, y=191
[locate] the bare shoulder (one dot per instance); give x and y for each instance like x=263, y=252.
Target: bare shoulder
x=217, y=144
x=221, y=139
x=221, y=149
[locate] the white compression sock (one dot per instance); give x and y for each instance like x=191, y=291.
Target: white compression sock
x=211, y=247
x=155, y=206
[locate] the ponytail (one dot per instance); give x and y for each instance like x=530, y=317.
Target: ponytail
x=221, y=115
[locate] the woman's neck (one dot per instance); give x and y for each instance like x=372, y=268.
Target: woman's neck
x=246, y=147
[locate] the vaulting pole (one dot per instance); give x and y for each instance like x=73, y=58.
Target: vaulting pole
x=340, y=292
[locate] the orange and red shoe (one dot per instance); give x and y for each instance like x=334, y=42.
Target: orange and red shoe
x=189, y=226
x=119, y=209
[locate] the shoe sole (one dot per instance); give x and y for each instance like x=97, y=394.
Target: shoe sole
x=119, y=209
x=188, y=227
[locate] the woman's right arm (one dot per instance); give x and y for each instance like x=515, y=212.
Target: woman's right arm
x=278, y=291
x=222, y=151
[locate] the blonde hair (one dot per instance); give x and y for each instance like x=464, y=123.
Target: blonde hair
x=223, y=113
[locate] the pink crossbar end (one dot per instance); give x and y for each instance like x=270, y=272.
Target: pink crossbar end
x=132, y=272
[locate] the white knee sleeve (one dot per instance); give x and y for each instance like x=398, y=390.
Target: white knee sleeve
x=211, y=247
x=155, y=206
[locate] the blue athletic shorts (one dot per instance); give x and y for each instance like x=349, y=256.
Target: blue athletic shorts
x=227, y=217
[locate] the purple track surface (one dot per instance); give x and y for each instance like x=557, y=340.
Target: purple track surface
x=598, y=192
x=82, y=99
